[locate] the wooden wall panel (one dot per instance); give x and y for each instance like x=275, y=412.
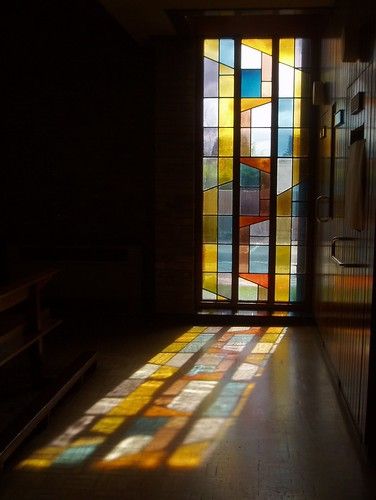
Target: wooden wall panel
x=343, y=296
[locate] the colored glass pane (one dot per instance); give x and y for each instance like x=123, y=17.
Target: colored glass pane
x=262, y=116
x=227, y=52
x=284, y=174
x=266, y=68
x=224, y=229
x=283, y=230
x=284, y=203
x=210, y=78
x=210, y=201
x=245, y=141
x=259, y=259
x=225, y=199
x=266, y=89
x=287, y=51
x=249, y=201
x=285, y=113
x=226, y=112
x=209, y=257
x=282, y=287
x=209, y=173
x=225, y=167
x=262, y=44
x=210, y=141
x=210, y=229
x=251, y=83
x=247, y=290
x=226, y=86
x=249, y=177
x=210, y=282
x=260, y=141
x=225, y=70
x=225, y=284
x=250, y=58
x=252, y=103
x=285, y=141
x=286, y=81
x=226, y=142
x=210, y=112
x=282, y=259
x=211, y=49
x=301, y=142
x=225, y=258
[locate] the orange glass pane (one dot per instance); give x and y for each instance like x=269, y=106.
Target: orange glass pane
x=251, y=102
x=210, y=201
x=226, y=141
x=282, y=287
x=211, y=49
x=287, y=51
x=282, y=259
x=209, y=257
x=243, y=258
x=284, y=203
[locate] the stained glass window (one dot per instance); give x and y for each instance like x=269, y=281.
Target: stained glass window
x=270, y=141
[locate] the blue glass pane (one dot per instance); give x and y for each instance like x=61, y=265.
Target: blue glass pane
x=249, y=177
x=258, y=259
x=225, y=258
x=224, y=229
x=251, y=83
x=285, y=142
x=299, y=209
x=285, y=113
x=300, y=192
x=226, y=52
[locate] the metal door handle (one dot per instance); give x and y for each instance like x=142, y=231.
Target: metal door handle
x=333, y=252
x=318, y=200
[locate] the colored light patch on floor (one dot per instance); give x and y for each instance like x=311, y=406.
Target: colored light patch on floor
x=174, y=409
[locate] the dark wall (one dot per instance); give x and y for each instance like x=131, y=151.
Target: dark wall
x=79, y=146
x=344, y=306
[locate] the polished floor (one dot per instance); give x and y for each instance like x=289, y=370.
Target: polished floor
x=194, y=412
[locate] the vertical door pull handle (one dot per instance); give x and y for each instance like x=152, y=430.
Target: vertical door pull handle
x=318, y=201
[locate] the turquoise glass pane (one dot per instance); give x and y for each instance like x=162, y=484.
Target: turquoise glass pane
x=285, y=142
x=224, y=229
x=251, y=83
x=226, y=52
x=300, y=192
x=249, y=177
x=285, y=112
x=258, y=259
x=225, y=258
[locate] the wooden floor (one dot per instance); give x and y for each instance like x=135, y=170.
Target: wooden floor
x=288, y=438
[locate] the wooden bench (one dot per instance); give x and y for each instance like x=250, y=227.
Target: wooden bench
x=23, y=325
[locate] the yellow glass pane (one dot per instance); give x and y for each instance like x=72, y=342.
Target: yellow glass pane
x=296, y=171
x=161, y=358
x=226, y=141
x=209, y=229
x=297, y=112
x=263, y=293
x=210, y=202
x=282, y=259
x=209, y=258
x=298, y=83
x=107, y=425
x=263, y=44
x=287, y=51
x=226, y=86
x=226, y=112
x=209, y=282
x=283, y=231
x=251, y=102
x=225, y=70
x=301, y=142
x=211, y=49
x=225, y=170
x=284, y=203
x=282, y=287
